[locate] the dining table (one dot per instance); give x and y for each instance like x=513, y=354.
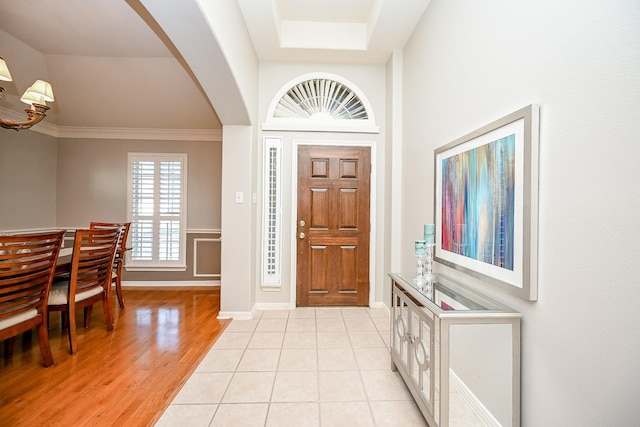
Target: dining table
x=63, y=265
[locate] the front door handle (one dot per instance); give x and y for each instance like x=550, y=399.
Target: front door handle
x=302, y=235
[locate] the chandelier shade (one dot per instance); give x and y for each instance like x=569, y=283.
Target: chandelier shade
x=43, y=89
x=29, y=98
x=5, y=75
x=36, y=96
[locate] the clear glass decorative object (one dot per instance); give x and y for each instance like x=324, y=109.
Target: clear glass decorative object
x=428, y=267
x=421, y=258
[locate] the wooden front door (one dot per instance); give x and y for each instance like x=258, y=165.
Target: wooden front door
x=333, y=226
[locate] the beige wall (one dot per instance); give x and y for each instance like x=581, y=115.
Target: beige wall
x=203, y=265
x=92, y=186
x=27, y=180
x=469, y=63
x=68, y=183
x=92, y=180
x=203, y=255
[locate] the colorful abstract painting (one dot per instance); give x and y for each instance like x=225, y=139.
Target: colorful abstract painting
x=478, y=189
x=486, y=203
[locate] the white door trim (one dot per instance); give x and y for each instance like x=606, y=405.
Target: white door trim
x=295, y=144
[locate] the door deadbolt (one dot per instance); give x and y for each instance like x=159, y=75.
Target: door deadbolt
x=302, y=223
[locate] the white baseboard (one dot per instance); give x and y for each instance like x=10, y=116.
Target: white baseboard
x=237, y=315
x=380, y=304
x=266, y=306
x=473, y=401
x=169, y=284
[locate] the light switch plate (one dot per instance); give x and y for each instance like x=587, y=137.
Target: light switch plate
x=239, y=197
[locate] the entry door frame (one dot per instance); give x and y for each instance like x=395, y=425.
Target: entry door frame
x=295, y=144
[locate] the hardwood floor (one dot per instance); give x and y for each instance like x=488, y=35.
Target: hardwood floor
x=125, y=377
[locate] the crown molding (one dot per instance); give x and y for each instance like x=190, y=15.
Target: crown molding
x=213, y=135
x=140, y=133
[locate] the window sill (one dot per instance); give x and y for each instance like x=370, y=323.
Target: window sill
x=156, y=268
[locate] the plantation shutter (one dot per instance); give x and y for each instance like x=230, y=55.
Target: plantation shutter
x=272, y=213
x=157, y=210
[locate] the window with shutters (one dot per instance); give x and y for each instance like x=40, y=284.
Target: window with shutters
x=157, y=211
x=272, y=212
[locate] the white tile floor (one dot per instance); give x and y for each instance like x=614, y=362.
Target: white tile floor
x=304, y=367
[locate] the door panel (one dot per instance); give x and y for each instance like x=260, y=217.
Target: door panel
x=333, y=225
x=319, y=209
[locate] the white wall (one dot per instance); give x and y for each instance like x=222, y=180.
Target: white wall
x=227, y=24
x=393, y=183
x=469, y=63
x=213, y=40
x=237, y=294
x=368, y=79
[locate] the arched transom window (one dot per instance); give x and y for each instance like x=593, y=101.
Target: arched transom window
x=321, y=98
x=320, y=102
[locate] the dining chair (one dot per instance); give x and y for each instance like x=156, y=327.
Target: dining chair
x=27, y=266
x=89, y=280
x=119, y=261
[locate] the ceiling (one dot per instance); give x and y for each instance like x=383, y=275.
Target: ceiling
x=110, y=69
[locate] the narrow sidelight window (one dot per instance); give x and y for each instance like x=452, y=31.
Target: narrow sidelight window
x=272, y=212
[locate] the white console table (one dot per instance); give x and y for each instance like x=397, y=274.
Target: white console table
x=422, y=318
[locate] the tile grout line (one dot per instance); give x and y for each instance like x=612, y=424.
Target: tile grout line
x=275, y=375
x=362, y=379
x=235, y=370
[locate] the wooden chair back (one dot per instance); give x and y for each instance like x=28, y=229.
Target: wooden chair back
x=122, y=248
x=27, y=266
x=89, y=281
x=122, y=241
x=94, y=252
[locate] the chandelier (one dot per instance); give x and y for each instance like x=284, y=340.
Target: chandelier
x=36, y=96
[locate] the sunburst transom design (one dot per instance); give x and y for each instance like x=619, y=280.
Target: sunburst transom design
x=321, y=98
